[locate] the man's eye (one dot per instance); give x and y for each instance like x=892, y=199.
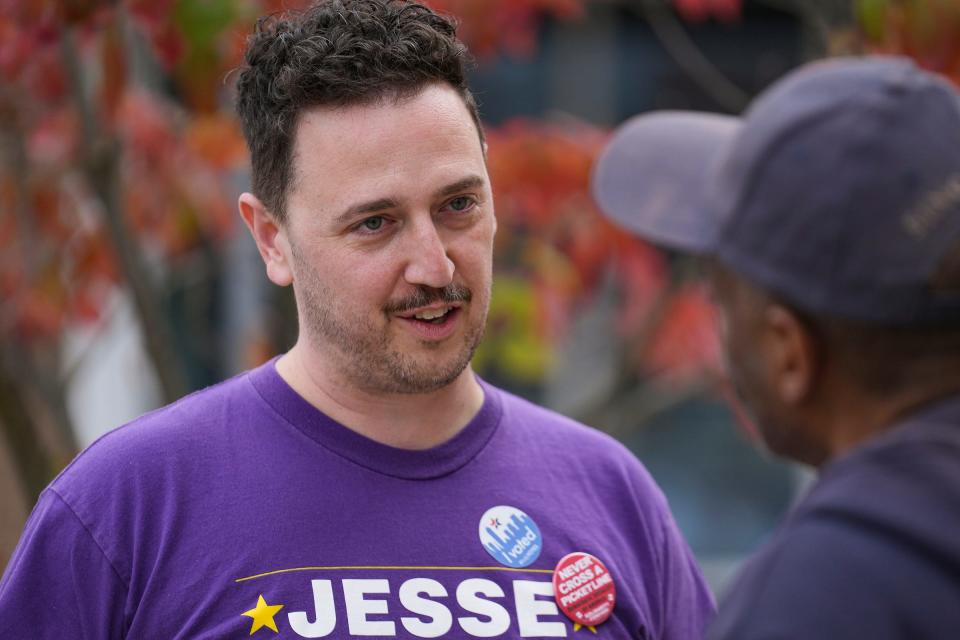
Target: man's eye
x=461, y=204
x=372, y=224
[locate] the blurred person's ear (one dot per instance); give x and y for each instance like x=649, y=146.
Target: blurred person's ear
x=792, y=355
x=271, y=239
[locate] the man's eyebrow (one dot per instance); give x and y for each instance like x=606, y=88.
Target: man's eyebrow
x=381, y=204
x=470, y=182
x=365, y=207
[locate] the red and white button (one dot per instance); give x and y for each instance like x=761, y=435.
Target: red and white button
x=584, y=589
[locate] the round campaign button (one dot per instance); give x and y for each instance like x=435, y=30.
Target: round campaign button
x=510, y=536
x=584, y=589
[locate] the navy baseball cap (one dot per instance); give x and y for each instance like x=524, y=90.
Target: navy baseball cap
x=838, y=189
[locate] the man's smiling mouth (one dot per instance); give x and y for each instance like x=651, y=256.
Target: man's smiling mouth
x=434, y=315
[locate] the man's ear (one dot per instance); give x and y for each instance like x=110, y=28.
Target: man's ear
x=794, y=355
x=270, y=237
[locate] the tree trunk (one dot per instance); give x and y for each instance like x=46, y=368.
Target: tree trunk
x=33, y=463
x=101, y=165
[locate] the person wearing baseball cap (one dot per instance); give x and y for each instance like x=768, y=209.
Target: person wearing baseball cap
x=829, y=218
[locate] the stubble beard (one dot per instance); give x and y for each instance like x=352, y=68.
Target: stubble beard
x=366, y=359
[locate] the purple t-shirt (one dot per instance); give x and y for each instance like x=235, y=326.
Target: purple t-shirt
x=243, y=511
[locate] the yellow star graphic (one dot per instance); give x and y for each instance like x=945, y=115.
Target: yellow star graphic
x=262, y=615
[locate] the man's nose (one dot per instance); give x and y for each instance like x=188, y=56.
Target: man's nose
x=428, y=264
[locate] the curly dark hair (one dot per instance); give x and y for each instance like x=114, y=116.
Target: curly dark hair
x=338, y=53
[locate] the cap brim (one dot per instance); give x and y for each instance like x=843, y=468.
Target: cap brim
x=652, y=176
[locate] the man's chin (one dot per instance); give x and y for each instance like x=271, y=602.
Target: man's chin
x=412, y=375
x=418, y=384
x=794, y=444
x=428, y=379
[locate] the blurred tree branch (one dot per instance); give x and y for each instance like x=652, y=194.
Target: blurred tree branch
x=688, y=56
x=25, y=372
x=101, y=154
x=34, y=465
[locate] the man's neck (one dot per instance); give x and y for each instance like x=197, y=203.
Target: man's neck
x=861, y=419
x=407, y=421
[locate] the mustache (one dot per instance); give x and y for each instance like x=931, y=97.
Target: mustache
x=429, y=295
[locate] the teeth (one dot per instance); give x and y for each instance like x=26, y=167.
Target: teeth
x=432, y=314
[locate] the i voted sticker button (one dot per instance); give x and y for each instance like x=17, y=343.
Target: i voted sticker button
x=584, y=589
x=510, y=536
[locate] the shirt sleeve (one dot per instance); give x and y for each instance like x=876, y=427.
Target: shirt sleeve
x=687, y=602
x=59, y=584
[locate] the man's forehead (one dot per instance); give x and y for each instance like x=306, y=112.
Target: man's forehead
x=443, y=99
x=384, y=154
x=434, y=106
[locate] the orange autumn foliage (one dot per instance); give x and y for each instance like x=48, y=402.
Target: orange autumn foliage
x=927, y=31
x=552, y=235
x=180, y=148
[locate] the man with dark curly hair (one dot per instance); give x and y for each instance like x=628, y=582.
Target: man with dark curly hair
x=365, y=483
